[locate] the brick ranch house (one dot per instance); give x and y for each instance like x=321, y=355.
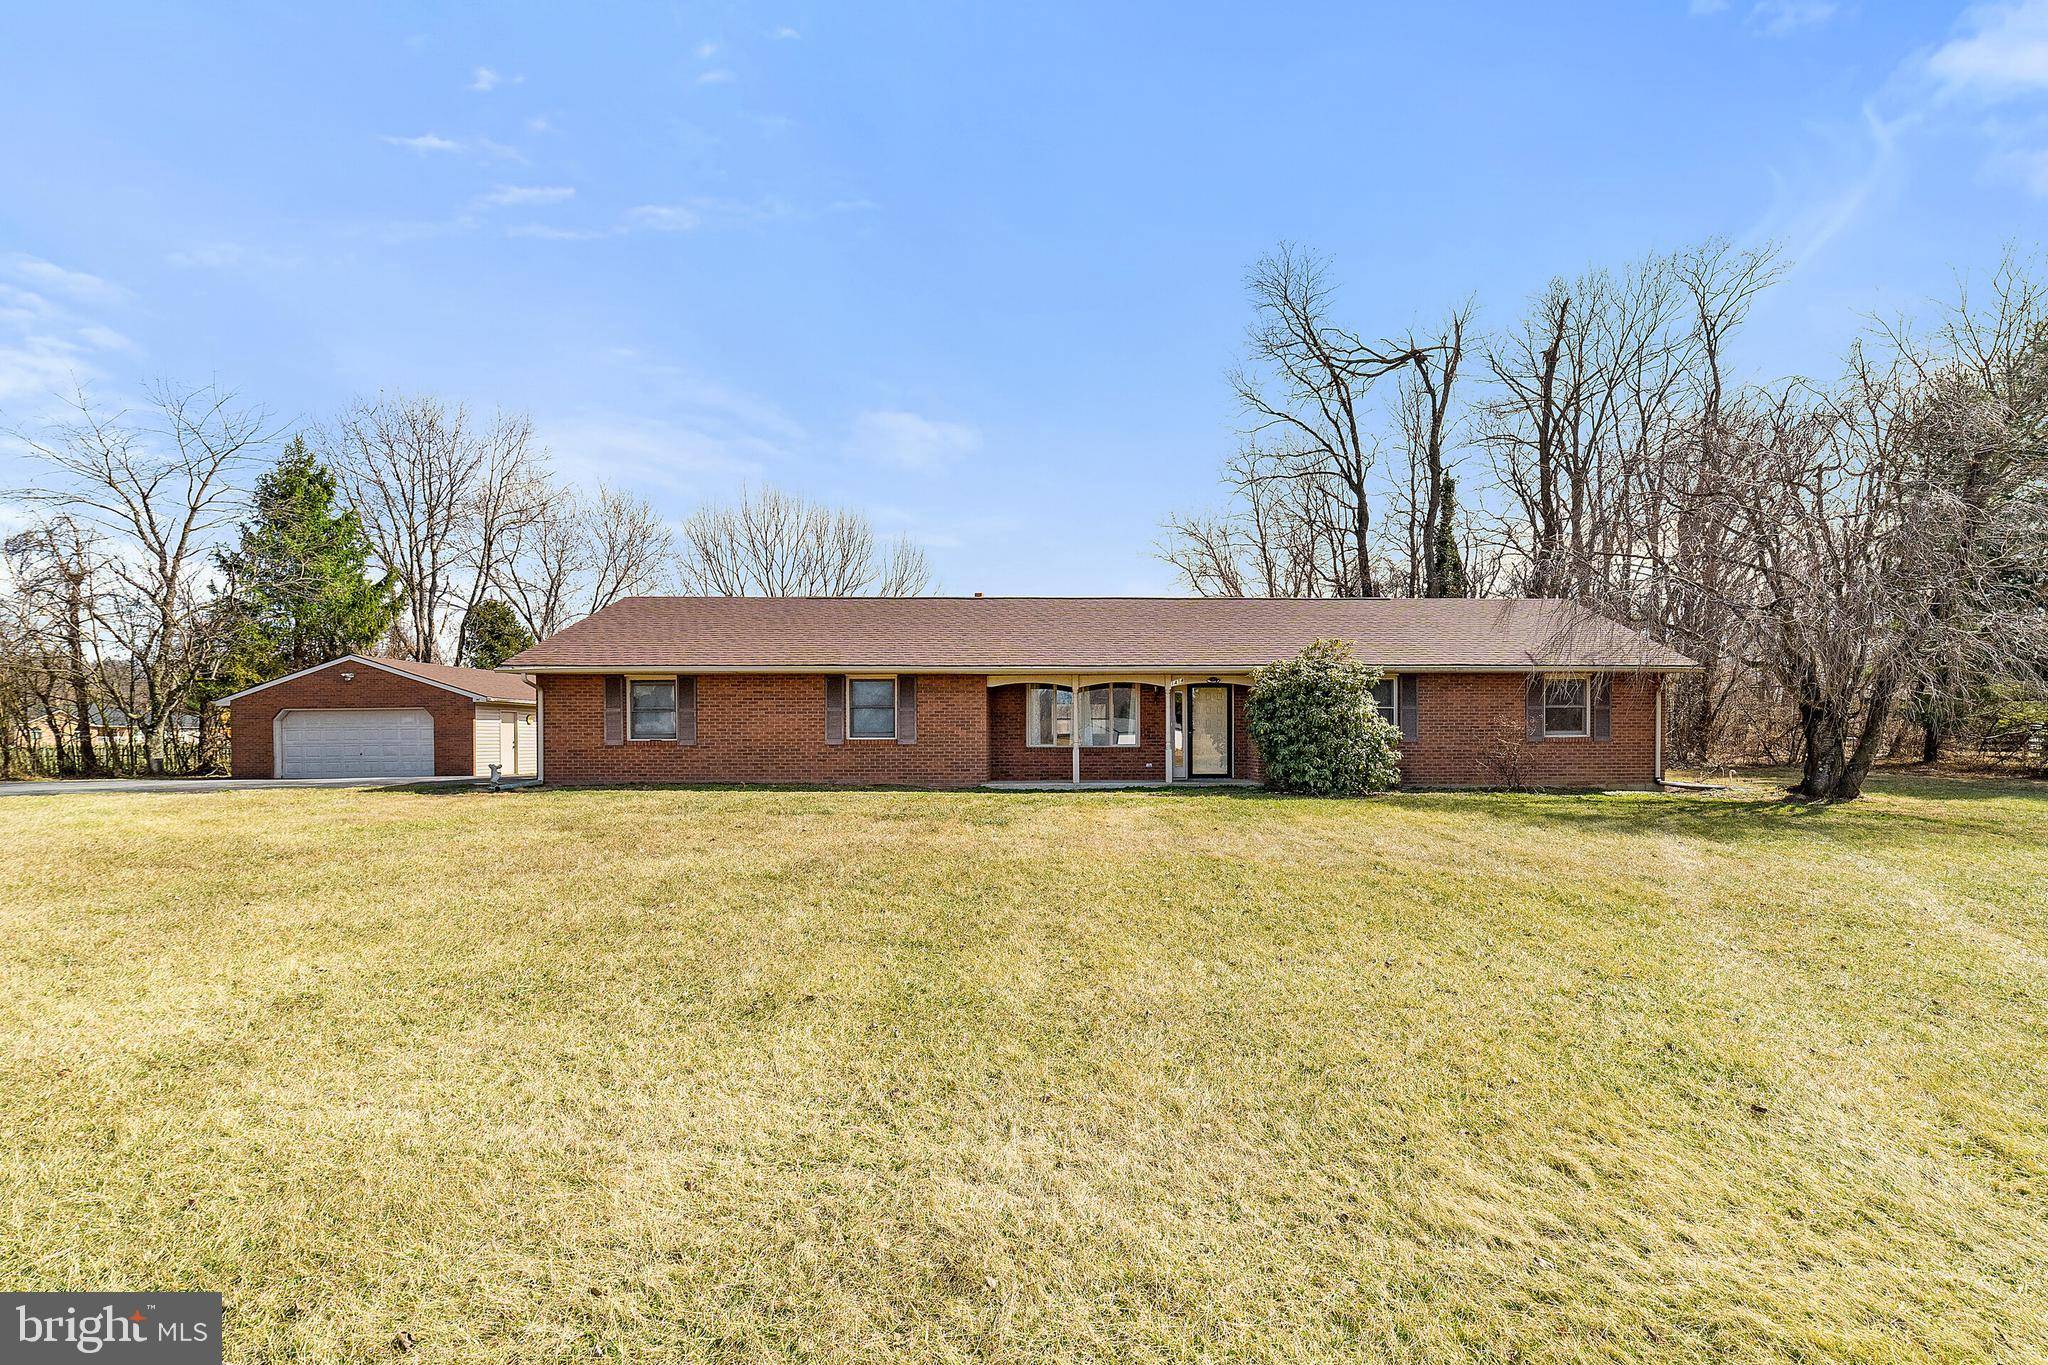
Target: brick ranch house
x=359, y=716
x=958, y=692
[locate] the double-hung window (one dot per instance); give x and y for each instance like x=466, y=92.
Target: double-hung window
x=1107, y=717
x=871, y=708
x=1383, y=701
x=1567, y=707
x=651, y=708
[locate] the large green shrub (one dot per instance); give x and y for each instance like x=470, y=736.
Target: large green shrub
x=1313, y=720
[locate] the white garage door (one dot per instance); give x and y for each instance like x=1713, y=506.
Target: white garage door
x=356, y=744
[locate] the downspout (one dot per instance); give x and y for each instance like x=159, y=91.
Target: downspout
x=1659, y=759
x=540, y=731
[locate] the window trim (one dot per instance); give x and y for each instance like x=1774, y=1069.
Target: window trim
x=895, y=704
x=1073, y=737
x=1585, y=685
x=1075, y=740
x=1137, y=716
x=1392, y=714
x=675, y=709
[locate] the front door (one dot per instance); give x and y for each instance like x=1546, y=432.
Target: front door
x=508, y=746
x=1209, y=731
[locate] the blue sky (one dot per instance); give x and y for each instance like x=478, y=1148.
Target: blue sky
x=977, y=271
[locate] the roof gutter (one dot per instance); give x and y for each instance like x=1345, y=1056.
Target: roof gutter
x=1091, y=670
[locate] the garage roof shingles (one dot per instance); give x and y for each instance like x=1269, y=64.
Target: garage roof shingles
x=973, y=634
x=491, y=686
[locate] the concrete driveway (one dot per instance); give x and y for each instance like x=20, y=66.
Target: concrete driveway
x=99, y=786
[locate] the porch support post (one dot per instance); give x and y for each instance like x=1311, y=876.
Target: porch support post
x=1075, y=735
x=1167, y=728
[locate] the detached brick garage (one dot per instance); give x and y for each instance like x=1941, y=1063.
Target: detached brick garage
x=365, y=717
x=957, y=692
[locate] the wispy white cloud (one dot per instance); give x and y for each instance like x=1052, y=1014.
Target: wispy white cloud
x=549, y=232
x=663, y=217
x=431, y=144
x=716, y=76
x=483, y=80
x=695, y=449
x=498, y=151
x=539, y=123
x=907, y=440
x=424, y=142
x=52, y=325
x=510, y=196
x=2001, y=52
x=103, y=338
x=1773, y=18
x=1780, y=17
x=2029, y=168
x=53, y=278
x=1990, y=80
x=785, y=33
x=706, y=51
x=689, y=215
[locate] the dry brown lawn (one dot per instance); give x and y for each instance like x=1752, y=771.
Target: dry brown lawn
x=738, y=1075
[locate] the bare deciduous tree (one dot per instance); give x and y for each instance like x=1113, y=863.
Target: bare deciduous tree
x=573, y=557
x=442, y=497
x=1304, y=389
x=773, y=544
x=632, y=549
x=57, y=571
x=160, y=488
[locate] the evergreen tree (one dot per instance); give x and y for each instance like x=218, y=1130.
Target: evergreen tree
x=1446, y=565
x=299, y=581
x=492, y=634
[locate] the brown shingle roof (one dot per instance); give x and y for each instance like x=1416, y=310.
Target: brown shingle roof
x=975, y=634
x=482, y=681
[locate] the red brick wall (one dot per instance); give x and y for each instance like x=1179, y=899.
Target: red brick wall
x=1467, y=722
x=250, y=719
x=768, y=727
x=1244, y=755
x=1010, y=759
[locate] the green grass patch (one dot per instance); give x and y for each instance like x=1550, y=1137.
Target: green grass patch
x=735, y=1075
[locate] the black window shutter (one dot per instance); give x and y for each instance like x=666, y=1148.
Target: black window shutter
x=1404, y=704
x=1533, y=706
x=1603, y=722
x=614, y=709
x=906, y=710
x=835, y=709
x=686, y=709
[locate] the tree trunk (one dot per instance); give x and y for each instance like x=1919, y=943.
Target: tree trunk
x=1931, y=737
x=1822, y=732
x=81, y=686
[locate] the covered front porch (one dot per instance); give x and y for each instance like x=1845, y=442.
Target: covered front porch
x=1109, y=730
